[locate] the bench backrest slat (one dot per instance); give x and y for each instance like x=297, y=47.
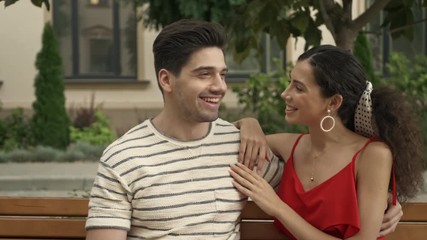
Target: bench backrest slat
x=64, y=218
x=415, y=212
x=43, y=206
x=410, y=231
x=42, y=228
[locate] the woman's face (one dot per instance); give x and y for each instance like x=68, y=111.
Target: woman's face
x=304, y=101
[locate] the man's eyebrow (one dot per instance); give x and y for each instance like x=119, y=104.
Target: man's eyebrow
x=201, y=68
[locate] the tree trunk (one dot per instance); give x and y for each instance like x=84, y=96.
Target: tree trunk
x=345, y=38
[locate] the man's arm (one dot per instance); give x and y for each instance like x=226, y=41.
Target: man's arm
x=106, y=234
x=272, y=171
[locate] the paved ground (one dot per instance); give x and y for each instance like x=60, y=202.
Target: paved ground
x=47, y=179
x=64, y=179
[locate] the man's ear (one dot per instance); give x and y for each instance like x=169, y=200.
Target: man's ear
x=166, y=79
x=335, y=102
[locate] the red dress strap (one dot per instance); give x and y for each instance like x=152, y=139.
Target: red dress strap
x=393, y=184
x=372, y=139
x=296, y=143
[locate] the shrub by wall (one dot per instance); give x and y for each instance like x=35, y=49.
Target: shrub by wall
x=50, y=122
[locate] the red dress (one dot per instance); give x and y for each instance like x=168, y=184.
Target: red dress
x=331, y=206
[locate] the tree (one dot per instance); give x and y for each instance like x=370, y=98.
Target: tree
x=50, y=123
x=246, y=20
x=37, y=3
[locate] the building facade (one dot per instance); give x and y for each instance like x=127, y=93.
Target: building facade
x=107, y=57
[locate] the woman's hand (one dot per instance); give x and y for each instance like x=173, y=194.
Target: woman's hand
x=254, y=149
x=255, y=187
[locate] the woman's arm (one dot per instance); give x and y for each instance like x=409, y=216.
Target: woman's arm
x=253, y=144
x=255, y=187
x=256, y=148
x=373, y=175
x=281, y=144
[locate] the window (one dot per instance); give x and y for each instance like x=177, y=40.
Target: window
x=98, y=3
x=240, y=71
x=418, y=44
x=97, y=39
x=382, y=44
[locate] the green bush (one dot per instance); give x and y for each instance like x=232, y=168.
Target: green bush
x=89, y=151
x=260, y=97
x=20, y=155
x=98, y=133
x=50, y=122
x=46, y=154
x=410, y=76
x=75, y=152
x=72, y=156
x=15, y=131
x=362, y=51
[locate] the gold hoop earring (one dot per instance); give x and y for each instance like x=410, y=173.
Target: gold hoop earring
x=327, y=117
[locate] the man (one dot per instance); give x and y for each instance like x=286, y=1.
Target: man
x=168, y=177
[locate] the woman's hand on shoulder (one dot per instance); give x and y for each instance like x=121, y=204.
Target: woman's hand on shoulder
x=254, y=150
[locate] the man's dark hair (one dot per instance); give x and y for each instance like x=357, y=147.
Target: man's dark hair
x=176, y=42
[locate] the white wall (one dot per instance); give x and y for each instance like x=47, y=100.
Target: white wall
x=21, y=26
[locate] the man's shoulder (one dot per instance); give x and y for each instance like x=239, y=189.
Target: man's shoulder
x=139, y=135
x=139, y=131
x=223, y=123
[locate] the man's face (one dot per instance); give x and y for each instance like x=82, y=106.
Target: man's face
x=198, y=90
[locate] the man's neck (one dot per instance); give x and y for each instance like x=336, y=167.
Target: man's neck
x=180, y=129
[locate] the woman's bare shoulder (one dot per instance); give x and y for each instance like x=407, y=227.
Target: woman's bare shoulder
x=281, y=143
x=376, y=154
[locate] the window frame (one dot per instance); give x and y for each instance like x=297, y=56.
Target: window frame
x=264, y=65
x=76, y=76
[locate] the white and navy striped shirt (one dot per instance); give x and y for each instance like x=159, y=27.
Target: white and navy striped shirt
x=156, y=187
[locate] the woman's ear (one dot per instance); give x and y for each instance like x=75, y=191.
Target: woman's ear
x=335, y=102
x=165, y=80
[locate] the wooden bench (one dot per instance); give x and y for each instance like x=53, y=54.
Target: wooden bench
x=64, y=218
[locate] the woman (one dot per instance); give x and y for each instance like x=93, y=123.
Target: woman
x=337, y=176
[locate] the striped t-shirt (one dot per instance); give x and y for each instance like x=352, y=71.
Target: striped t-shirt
x=156, y=187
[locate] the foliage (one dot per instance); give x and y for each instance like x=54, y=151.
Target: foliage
x=98, y=133
x=362, y=51
x=79, y=151
x=261, y=96
x=84, y=116
x=247, y=20
x=17, y=155
x=37, y=3
x=50, y=122
x=87, y=150
x=410, y=76
x=15, y=131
